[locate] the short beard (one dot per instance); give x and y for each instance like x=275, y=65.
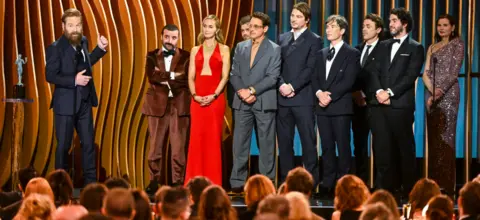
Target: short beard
x=74, y=40
x=172, y=47
x=397, y=31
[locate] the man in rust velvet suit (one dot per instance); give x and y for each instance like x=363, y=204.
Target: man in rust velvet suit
x=167, y=105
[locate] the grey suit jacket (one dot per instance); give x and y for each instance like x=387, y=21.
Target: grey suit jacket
x=262, y=76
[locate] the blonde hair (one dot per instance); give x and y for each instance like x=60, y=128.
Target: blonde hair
x=218, y=33
x=36, y=206
x=299, y=206
x=41, y=186
x=257, y=188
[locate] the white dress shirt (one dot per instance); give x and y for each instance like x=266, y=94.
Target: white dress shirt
x=168, y=61
x=330, y=62
x=297, y=34
x=396, y=46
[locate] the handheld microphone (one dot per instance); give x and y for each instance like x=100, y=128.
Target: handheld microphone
x=435, y=60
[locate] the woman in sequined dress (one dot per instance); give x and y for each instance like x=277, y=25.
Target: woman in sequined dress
x=442, y=101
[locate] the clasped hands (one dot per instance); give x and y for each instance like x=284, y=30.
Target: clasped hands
x=286, y=91
x=324, y=98
x=438, y=94
x=204, y=100
x=246, y=96
x=383, y=97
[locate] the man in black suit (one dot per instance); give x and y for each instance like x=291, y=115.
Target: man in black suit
x=69, y=68
x=393, y=85
x=337, y=67
x=295, y=99
x=372, y=28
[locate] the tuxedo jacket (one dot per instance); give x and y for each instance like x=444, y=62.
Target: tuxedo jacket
x=61, y=70
x=340, y=81
x=363, y=79
x=156, y=98
x=399, y=74
x=298, y=64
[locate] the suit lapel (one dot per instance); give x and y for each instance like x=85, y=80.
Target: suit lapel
x=176, y=58
x=371, y=56
x=402, y=49
x=86, y=54
x=323, y=69
x=296, y=44
x=261, y=51
x=248, y=52
x=337, y=63
x=67, y=48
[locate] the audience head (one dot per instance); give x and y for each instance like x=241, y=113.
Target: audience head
x=24, y=176
x=259, y=25
x=159, y=195
x=70, y=212
x=350, y=193
x=336, y=27
x=92, y=197
x=446, y=27
x=385, y=197
x=170, y=36
x=372, y=27
x=36, y=206
x=469, y=199
x=41, y=186
x=196, y=186
x=422, y=192
x=257, y=187
x=275, y=204
x=95, y=216
x=299, y=180
x=300, y=16
x=211, y=28
x=299, y=206
x=377, y=211
x=281, y=189
x=117, y=182
x=119, y=204
x=176, y=204
x=142, y=205
x=267, y=216
x=440, y=208
x=477, y=178
x=245, y=26
x=62, y=187
x=215, y=205
x=401, y=22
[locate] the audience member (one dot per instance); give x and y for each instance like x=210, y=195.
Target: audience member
x=176, y=204
x=92, y=197
x=377, y=211
x=267, y=216
x=215, y=205
x=95, y=216
x=422, y=192
x=159, y=195
x=350, y=195
x=440, y=208
x=299, y=206
x=62, y=187
x=24, y=176
x=142, y=205
x=281, y=189
x=119, y=204
x=36, y=206
x=257, y=188
x=70, y=212
x=196, y=186
x=300, y=180
x=469, y=201
x=387, y=199
x=275, y=204
x=116, y=182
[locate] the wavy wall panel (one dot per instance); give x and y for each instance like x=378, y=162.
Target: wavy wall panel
x=133, y=27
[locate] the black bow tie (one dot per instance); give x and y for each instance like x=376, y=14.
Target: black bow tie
x=331, y=53
x=396, y=40
x=167, y=53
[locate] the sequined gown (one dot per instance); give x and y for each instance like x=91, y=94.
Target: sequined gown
x=442, y=118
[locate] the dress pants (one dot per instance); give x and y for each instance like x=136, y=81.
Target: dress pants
x=361, y=130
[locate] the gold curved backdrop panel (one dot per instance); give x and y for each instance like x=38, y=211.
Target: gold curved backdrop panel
x=132, y=27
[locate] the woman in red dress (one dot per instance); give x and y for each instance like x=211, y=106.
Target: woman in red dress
x=207, y=76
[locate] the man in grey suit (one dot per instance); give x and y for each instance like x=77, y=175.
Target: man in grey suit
x=255, y=71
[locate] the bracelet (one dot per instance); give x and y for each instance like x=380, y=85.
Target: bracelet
x=193, y=95
x=215, y=96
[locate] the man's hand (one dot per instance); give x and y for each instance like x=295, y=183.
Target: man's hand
x=243, y=93
x=251, y=99
x=383, y=96
x=429, y=103
x=359, y=99
x=102, y=42
x=387, y=102
x=292, y=94
x=324, y=98
x=285, y=90
x=81, y=79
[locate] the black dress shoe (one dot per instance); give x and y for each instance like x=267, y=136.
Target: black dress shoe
x=326, y=192
x=152, y=187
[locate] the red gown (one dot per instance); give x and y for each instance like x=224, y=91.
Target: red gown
x=204, y=150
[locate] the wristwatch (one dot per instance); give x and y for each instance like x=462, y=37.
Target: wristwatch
x=252, y=90
x=215, y=96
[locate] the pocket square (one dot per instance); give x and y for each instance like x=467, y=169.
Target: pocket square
x=405, y=54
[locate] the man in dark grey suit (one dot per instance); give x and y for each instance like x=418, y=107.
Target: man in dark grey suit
x=254, y=75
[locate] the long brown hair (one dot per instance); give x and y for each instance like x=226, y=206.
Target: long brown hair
x=350, y=193
x=257, y=188
x=215, y=205
x=452, y=22
x=422, y=192
x=218, y=33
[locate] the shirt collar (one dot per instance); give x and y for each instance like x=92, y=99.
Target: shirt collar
x=298, y=33
x=373, y=44
x=338, y=46
x=402, y=39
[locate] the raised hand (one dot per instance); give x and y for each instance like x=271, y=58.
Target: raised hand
x=102, y=42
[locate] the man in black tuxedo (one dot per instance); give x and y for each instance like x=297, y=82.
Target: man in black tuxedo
x=372, y=28
x=393, y=83
x=69, y=68
x=295, y=99
x=337, y=67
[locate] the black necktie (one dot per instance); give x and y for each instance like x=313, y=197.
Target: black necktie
x=79, y=54
x=396, y=41
x=167, y=53
x=365, y=56
x=331, y=53
x=293, y=39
